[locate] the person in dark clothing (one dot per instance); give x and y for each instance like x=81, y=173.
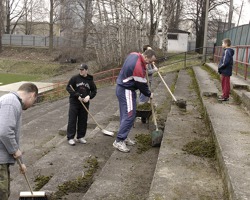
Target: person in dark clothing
x=225, y=68
x=84, y=90
x=131, y=78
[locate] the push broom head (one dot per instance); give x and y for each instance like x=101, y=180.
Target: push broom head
x=109, y=133
x=33, y=196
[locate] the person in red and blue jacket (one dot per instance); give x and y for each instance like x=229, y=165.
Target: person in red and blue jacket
x=132, y=77
x=225, y=68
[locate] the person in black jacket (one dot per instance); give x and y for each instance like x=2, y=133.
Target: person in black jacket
x=83, y=90
x=225, y=68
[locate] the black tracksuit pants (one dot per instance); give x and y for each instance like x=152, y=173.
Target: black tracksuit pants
x=77, y=120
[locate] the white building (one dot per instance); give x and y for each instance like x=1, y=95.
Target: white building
x=177, y=40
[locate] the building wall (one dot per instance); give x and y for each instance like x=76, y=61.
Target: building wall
x=180, y=44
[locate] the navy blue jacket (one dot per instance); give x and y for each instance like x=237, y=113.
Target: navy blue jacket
x=226, y=63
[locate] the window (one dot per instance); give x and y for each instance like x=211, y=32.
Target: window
x=173, y=36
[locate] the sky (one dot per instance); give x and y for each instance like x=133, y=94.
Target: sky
x=245, y=15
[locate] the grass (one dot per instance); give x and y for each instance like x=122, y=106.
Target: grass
x=12, y=78
x=176, y=64
x=143, y=142
x=79, y=184
x=201, y=148
x=40, y=181
x=27, y=70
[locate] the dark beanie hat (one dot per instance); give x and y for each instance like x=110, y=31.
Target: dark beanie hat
x=83, y=66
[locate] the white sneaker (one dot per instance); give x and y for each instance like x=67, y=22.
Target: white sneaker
x=129, y=142
x=82, y=141
x=121, y=146
x=71, y=142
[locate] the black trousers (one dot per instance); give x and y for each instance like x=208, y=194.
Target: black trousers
x=77, y=120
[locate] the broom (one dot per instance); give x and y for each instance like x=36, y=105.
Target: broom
x=31, y=195
x=103, y=130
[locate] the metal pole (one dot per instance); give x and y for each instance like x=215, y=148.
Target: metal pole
x=205, y=32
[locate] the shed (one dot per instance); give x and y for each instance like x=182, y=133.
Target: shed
x=177, y=40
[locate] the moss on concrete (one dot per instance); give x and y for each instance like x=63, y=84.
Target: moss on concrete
x=80, y=184
x=143, y=142
x=40, y=181
x=201, y=148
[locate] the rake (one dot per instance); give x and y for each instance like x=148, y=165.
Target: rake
x=109, y=133
x=156, y=135
x=180, y=103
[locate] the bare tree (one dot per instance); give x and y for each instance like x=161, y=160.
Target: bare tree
x=230, y=16
x=176, y=15
x=1, y=24
x=53, y=17
x=195, y=10
x=168, y=7
x=14, y=12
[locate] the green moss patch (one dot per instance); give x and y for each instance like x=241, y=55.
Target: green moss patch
x=40, y=181
x=80, y=184
x=143, y=142
x=199, y=147
x=143, y=106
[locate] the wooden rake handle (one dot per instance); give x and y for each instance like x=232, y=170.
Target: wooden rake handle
x=166, y=86
x=152, y=106
x=24, y=174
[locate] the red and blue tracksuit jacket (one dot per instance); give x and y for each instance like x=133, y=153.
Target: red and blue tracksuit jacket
x=131, y=78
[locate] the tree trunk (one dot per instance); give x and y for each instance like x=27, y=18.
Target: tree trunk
x=51, y=22
x=200, y=29
x=7, y=30
x=1, y=24
x=230, y=16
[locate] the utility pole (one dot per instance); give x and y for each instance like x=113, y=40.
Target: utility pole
x=230, y=16
x=205, y=33
x=240, y=12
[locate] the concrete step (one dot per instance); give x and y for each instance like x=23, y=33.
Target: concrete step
x=119, y=177
x=231, y=130
x=239, y=87
x=102, y=108
x=179, y=175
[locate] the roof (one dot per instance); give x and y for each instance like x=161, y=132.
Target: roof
x=175, y=31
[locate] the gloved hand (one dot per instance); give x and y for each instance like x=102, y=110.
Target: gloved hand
x=86, y=99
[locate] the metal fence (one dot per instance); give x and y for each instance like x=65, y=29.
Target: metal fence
x=240, y=41
x=37, y=41
x=238, y=35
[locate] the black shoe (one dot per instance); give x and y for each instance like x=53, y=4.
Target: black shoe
x=143, y=120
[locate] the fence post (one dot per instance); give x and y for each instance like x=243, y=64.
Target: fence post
x=185, y=60
x=246, y=64
x=113, y=77
x=237, y=57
